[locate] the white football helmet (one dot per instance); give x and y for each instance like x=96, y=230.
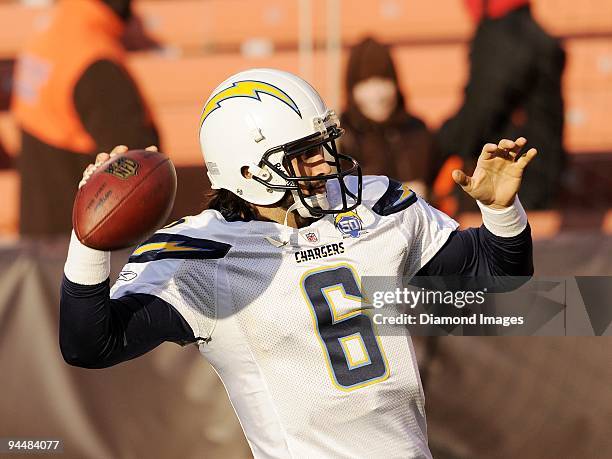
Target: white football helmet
x=257, y=121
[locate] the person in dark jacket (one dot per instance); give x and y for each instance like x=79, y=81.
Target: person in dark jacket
x=380, y=133
x=514, y=89
x=5, y=160
x=73, y=96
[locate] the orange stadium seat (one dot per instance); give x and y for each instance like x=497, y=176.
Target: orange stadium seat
x=179, y=134
x=17, y=23
x=9, y=133
x=215, y=24
x=433, y=92
x=405, y=20
x=9, y=210
x=429, y=69
x=211, y=23
x=587, y=121
x=588, y=94
x=568, y=17
x=177, y=87
x=606, y=226
x=423, y=71
x=221, y=23
x=432, y=77
x=171, y=80
x=589, y=63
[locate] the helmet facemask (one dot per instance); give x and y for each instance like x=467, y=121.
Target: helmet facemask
x=315, y=205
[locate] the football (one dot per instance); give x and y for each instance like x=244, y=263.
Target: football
x=125, y=200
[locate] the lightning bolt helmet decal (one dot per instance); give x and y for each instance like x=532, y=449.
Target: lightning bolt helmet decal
x=250, y=89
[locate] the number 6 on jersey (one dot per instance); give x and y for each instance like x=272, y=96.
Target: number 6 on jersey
x=354, y=356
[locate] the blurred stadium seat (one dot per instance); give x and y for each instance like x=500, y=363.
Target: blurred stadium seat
x=218, y=24
x=433, y=91
x=568, y=17
x=588, y=94
x=17, y=22
x=8, y=132
x=9, y=190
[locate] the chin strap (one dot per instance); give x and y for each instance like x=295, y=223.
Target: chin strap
x=285, y=234
x=317, y=200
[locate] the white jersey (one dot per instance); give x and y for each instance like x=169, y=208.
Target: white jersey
x=306, y=370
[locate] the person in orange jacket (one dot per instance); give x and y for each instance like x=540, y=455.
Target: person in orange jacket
x=73, y=96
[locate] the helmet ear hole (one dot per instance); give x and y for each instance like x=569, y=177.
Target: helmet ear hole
x=244, y=170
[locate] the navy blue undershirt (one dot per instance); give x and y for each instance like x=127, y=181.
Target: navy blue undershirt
x=98, y=332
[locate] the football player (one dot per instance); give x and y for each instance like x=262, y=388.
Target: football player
x=267, y=280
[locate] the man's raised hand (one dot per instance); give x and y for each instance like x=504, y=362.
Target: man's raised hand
x=498, y=174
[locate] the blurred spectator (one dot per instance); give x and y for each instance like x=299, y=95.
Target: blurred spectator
x=136, y=38
x=73, y=97
x=514, y=90
x=6, y=76
x=380, y=133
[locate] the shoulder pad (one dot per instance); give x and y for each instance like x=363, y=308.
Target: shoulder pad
x=166, y=245
x=397, y=197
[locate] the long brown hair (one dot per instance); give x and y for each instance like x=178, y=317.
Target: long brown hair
x=232, y=207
